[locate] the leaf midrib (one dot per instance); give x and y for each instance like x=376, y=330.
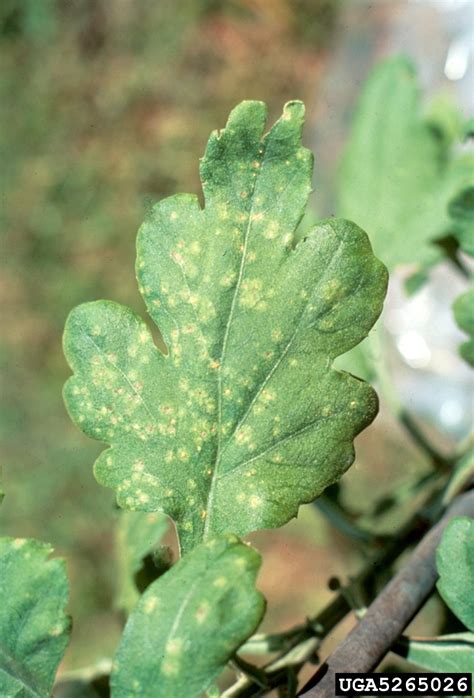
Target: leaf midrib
x=189, y=596
x=210, y=497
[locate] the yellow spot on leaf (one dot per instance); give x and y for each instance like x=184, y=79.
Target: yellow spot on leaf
x=150, y=604
x=202, y=612
x=220, y=582
x=255, y=501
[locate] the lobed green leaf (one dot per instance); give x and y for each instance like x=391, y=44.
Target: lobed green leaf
x=34, y=629
x=244, y=419
x=189, y=623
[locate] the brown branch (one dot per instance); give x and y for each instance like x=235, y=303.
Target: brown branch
x=391, y=612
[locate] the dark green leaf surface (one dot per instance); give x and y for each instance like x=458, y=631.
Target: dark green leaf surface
x=396, y=178
x=138, y=534
x=189, y=623
x=34, y=629
x=244, y=419
x=455, y=562
x=463, y=308
x=445, y=653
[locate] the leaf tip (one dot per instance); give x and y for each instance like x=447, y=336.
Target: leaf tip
x=247, y=115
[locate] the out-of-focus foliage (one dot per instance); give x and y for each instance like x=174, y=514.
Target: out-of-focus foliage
x=405, y=182
x=106, y=107
x=461, y=210
x=138, y=535
x=464, y=314
x=399, y=171
x=462, y=474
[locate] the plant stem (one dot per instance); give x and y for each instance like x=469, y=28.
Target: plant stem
x=340, y=520
x=392, y=610
x=250, y=671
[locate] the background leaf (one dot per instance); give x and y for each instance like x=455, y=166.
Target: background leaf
x=461, y=210
x=455, y=562
x=189, y=623
x=138, y=535
x=463, y=308
x=445, y=653
x=397, y=175
x=34, y=629
x=252, y=325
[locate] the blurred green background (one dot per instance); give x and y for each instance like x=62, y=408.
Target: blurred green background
x=106, y=106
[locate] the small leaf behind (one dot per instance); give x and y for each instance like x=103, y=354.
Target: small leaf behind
x=461, y=210
x=463, y=308
x=138, y=534
x=189, y=623
x=396, y=177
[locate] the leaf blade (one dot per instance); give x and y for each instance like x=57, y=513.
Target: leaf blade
x=207, y=615
x=455, y=563
x=251, y=325
x=37, y=592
